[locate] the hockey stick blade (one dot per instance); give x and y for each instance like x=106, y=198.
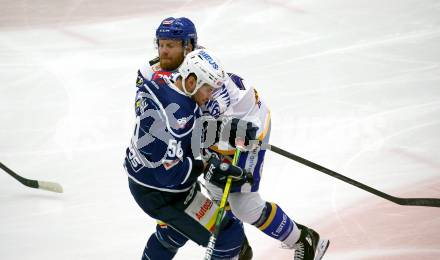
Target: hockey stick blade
x=427, y=202
x=43, y=185
x=50, y=186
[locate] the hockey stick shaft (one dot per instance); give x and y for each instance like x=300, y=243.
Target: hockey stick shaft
x=44, y=185
x=24, y=181
x=428, y=202
x=221, y=211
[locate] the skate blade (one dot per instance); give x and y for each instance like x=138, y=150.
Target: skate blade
x=322, y=248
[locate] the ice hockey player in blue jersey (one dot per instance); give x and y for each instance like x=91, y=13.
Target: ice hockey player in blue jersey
x=161, y=164
x=175, y=37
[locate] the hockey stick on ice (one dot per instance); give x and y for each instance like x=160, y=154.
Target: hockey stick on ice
x=427, y=202
x=43, y=185
x=221, y=211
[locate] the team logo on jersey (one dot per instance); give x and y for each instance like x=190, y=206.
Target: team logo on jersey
x=168, y=164
x=139, y=81
x=181, y=122
x=141, y=105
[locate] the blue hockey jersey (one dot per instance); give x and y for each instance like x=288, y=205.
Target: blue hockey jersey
x=160, y=154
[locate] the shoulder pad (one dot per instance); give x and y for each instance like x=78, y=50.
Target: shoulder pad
x=238, y=81
x=154, y=61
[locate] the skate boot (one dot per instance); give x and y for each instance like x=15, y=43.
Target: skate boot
x=310, y=246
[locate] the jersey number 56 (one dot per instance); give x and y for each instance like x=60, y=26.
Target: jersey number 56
x=174, y=149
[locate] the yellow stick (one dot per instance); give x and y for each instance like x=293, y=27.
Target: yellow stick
x=221, y=211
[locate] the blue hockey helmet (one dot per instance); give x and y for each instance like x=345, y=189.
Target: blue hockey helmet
x=177, y=28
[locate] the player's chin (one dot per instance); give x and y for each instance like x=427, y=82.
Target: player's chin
x=200, y=102
x=168, y=64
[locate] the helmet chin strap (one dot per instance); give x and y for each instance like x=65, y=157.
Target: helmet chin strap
x=190, y=94
x=186, y=47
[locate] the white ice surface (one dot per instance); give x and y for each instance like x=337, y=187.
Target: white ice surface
x=352, y=85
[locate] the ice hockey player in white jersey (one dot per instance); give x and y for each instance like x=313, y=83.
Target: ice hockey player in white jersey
x=239, y=102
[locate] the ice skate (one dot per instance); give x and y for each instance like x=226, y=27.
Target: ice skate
x=310, y=246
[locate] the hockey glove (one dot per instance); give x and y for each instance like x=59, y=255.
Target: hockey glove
x=218, y=172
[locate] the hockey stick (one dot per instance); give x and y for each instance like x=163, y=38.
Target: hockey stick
x=427, y=202
x=221, y=211
x=43, y=185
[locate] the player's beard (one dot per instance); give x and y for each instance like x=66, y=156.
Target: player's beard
x=168, y=63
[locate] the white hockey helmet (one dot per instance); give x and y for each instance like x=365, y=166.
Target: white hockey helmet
x=205, y=66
